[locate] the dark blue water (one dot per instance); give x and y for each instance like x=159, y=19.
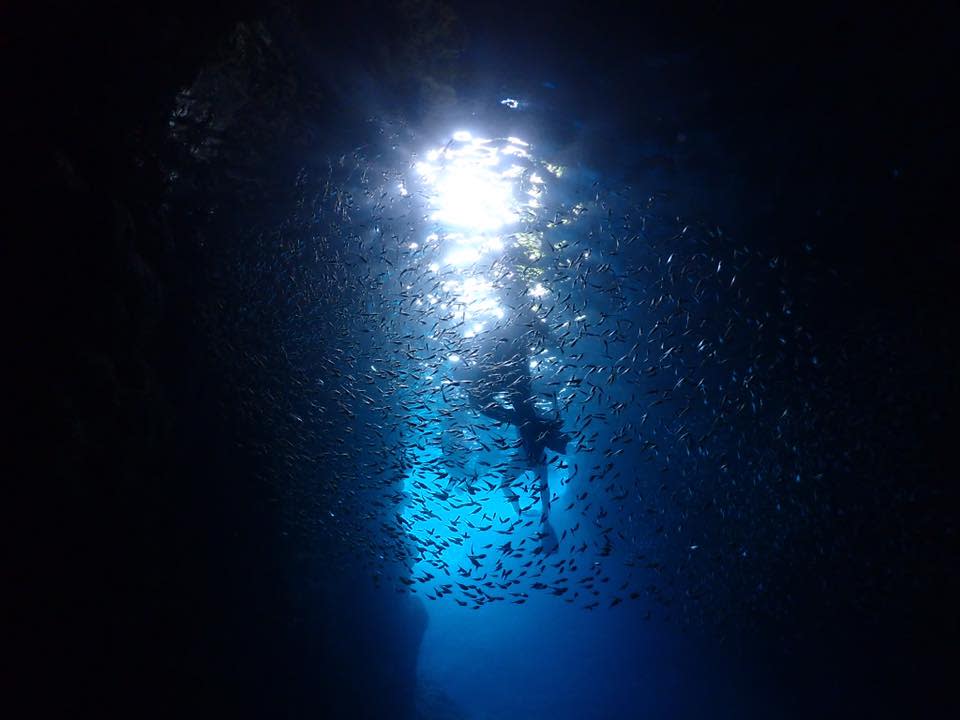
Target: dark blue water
x=556, y=661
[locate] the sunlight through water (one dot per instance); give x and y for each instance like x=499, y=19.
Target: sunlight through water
x=485, y=235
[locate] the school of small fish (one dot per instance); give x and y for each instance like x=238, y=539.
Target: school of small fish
x=665, y=347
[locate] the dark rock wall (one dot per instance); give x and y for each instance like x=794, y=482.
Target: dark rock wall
x=149, y=567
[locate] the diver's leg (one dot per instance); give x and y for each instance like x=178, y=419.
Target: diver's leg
x=536, y=433
x=529, y=423
x=543, y=487
x=548, y=536
x=506, y=486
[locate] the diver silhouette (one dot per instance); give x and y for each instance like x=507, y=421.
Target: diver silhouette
x=501, y=387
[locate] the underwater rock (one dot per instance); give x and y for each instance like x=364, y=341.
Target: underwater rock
x=434, y=704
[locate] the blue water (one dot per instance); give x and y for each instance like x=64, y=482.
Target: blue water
x=553, y=660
